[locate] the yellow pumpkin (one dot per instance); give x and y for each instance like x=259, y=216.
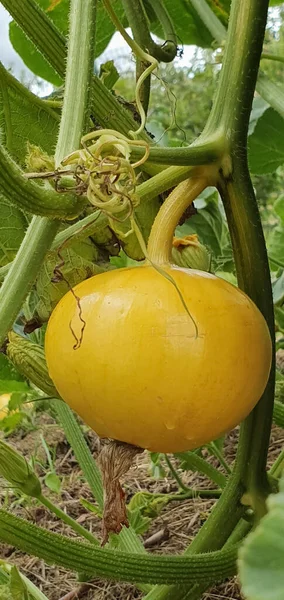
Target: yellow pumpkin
x=4, y=401
x=148, y=373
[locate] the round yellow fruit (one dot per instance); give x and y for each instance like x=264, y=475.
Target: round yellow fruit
x=145, y=371
x=4, y=401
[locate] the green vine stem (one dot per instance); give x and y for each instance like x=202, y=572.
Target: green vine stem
x=79, y=71
x=175, y=474
x=60, y=514
x=33, y=198
x=210, y=20
x=110, y=564
x=138, y=21
x=24, y=270
x=80, y=448
x=276, y=57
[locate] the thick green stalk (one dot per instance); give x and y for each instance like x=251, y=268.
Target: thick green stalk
x=60, y=514
x=254, y=278
x=33, y=198
x=24, y=270
x=230, y=112
x=79, y=71
x=194, y=462
x=110, y=564
x=80, y=448
x=200, y=152
x=210, y=20
x=138, y=21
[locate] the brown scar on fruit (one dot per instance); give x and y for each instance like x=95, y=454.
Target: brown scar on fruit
x=115, y=460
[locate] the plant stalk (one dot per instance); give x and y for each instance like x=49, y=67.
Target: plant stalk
x=60, y=514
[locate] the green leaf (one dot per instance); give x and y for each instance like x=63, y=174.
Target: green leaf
x=53, y=482
x=8, y=371
x=279, y=207
x=12, y=230
x=275, y=244
x=187, y=24
x=35, y=61
x=11, y=386
x=278, y=290
x=259, y=106
x=25, y=117
x=69, y=267
x=11, y=422
x=279, y=317
x=109, y=74
x=266, y=144
x=31, y=56
x=209, y=225
x=17, y=586
x=94, y=508
x=142, y=508
x=261, y=557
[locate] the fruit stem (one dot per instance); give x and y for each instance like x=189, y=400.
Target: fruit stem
x=161, y=236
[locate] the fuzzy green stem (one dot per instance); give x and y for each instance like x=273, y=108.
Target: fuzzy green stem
x=24, y=270
x=33, y=198
x=213, y=449
x=80, y=66
x=193, y=462
x=276, y=57
x=277, y=467
x=138, y=21
x=110, y=564
x=230, y=112
x=80, y=448
x=175, y=474
x=252, y=268
x=208, y=17
x=160, y=239
x=60, y=514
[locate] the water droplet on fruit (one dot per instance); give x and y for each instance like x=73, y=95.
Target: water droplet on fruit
x=170, y=425
x=189, y=436
x=100, y=421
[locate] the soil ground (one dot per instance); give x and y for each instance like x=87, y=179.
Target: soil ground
x=177, y=524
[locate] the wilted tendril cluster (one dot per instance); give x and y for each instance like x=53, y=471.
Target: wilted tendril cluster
x=103, y=171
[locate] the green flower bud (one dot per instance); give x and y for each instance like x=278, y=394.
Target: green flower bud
x=30, y=361
x=37, y=160
x=187, y=252
x=14, y=468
